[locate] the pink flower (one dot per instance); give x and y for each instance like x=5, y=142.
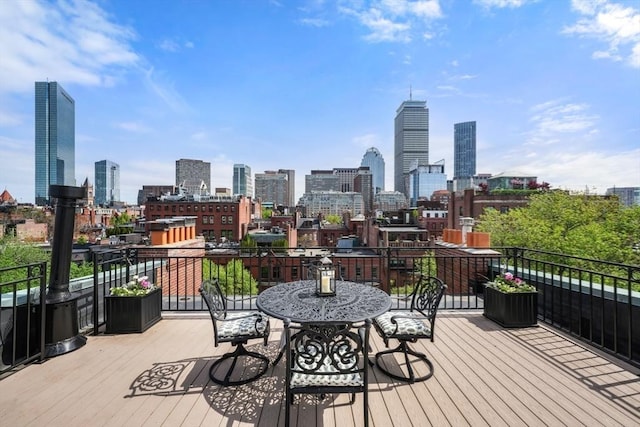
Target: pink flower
x=508, y=276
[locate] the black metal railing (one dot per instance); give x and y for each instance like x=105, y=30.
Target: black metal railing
x=22, y=322
x=597, y=302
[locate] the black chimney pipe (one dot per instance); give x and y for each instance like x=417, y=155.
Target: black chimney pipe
x=61, y=331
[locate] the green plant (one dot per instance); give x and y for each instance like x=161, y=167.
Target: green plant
x=508, y=283
x=137, y=286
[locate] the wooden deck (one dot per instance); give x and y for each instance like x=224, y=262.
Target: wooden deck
x=484, y=375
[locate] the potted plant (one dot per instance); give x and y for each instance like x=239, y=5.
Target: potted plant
x=511, y=302
x=133, y=307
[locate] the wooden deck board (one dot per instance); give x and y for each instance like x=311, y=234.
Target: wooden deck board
x=484, y=375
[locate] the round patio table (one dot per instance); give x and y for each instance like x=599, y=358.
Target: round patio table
x=298, y=302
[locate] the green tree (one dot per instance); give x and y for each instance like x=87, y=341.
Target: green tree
x=267, y=213
x=580, y=225
x=333, y=219
x=234, y=278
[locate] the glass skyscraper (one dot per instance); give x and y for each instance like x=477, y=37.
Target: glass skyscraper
x=464, y=150
x=242, y=183
x=107, y=188
x=54, y=139
x=411, y=141
x=374, y=160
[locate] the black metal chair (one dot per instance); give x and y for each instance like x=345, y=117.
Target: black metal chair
x=411, y=326
x=327, y=358
x=236, y=328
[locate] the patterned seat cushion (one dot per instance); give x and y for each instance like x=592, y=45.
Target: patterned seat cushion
x=328, y=376
x=235, y=325
x=416, y=326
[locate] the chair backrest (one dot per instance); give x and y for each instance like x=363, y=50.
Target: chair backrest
x=213, y=297
x=327, y=349
x=427, y=294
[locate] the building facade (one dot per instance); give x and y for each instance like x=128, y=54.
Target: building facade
x=411, y=141
x=426, y=180
x=464, y=150
x=332, y=203
x=374, y=160
x=194, y=176
x=54, y=139
x=107, y=183
x=321, y=180
x=388, y=201
x=242, y=181
x=217, y=218
x=272, y=187
x=629, y=196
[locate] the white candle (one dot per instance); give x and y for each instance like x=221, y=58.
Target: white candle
x=325, y=285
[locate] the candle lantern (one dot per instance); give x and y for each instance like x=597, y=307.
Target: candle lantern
x=325, y=278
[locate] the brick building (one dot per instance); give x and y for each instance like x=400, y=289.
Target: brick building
x=217, y=218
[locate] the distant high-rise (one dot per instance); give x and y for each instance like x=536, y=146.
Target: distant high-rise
x=464, y=150
x=426, y=180
x=291, y=179
x=272, y=187
x=242, y=183
x=55, y=139
x=411, y=141
x=107, y=187
x=374, y=160
x=193, y=175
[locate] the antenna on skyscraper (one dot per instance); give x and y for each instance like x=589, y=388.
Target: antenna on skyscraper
x=410, y=94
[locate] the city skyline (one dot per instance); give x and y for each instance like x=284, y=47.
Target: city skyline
x=552, y=85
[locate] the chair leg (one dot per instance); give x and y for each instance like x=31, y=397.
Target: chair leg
x=240, y=351
x=406, y=351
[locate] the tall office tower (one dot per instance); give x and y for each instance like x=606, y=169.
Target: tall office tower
x=411, y=141
x=194, y=176
x=464, y=150
x=291, y=179
x=55, y=139
x=363, y=184
x=272, y=187
x=242, y=183
x=374, y=160
x=107, y=178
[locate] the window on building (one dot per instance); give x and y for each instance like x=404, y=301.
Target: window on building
x=358, y=272
x=196, y=208
x=230, y=219
x=210, y=208
x=173, y=208
x=151, y=208
x=224, y=219
x=205, y=219
x=264, y=273
x=276, y=272
x=181, y=208
x=166, y=208
x=210, y=219
x=374, y=272
x=217, y=208
x=294, y=272
x=233, y=208
x=225, y=207
x=188, y=208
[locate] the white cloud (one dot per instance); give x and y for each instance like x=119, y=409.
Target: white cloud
x=73, y=41
x=135, y=127
x=500, y=4
x=314, y=22
x=613, y=24
x=394, y=20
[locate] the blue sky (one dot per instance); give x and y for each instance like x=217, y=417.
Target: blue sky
x=554, y=85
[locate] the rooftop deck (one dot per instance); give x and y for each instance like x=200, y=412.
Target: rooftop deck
x=484, y=375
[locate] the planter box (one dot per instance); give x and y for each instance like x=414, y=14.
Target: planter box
x=511, y=310
x=132, y=314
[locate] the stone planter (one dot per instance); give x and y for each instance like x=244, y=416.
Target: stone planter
x=511, y=310
x=132, y=314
